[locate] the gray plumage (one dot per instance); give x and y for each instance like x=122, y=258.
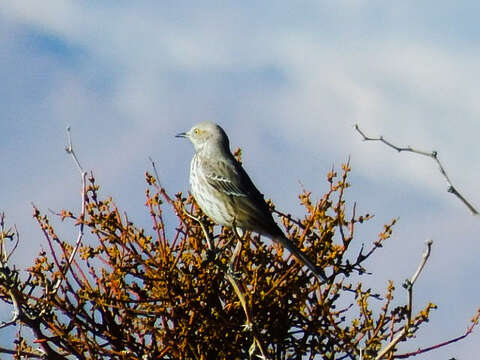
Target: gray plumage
x=225, y=192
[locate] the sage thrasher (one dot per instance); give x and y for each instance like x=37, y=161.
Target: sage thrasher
x=225, y=193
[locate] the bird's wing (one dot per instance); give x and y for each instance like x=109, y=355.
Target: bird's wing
x=229, y=178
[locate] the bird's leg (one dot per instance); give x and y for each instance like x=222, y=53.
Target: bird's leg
x=233, y=259
x=236, y=252
x=235, y=235
x=240, y=290
x=235, y=230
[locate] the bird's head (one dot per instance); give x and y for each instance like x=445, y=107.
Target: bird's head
x=206, y=133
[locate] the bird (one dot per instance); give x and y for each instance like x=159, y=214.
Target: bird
x=226, y=194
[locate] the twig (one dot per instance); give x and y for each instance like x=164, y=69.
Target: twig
x=3, y=246
x=155, y=170
x=425, y=256
x=7, y=234
x=158, y=184
x=409, y=286
x=409, y=283
x=8, y=277
x=15, y=313
x=204, y=229
x=434, y=155
x=467, y=332
x=17, y=237
x=69, y=150
x=83, y=174
x=26, y=354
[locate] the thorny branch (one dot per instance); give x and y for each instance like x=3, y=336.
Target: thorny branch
x=409, y=286
x=434, y=155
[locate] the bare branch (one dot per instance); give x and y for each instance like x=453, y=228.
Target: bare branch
x=15, y=312
x=469, y=330
x=425, y=256
x=7, y=234
x=155, y=170
x=69, y=150
x=409, y=286
x=17, y=240
x=83, y=174
x=8, y=277
x=434, y=155
x=409, y=283
x=3, y=248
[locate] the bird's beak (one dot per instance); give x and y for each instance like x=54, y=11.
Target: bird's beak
x=182, y=135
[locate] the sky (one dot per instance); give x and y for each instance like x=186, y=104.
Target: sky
x=287, y=81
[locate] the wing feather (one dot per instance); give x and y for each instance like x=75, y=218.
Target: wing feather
x=229, y=178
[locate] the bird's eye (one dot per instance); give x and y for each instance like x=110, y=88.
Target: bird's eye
x=196, y=131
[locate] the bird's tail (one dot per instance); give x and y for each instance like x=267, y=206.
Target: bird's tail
x=295, y=251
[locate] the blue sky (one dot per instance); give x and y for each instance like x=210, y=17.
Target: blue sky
x=287, y=81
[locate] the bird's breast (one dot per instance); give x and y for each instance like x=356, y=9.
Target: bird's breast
x=216, y=205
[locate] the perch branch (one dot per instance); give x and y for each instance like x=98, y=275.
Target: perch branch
x=434, y=155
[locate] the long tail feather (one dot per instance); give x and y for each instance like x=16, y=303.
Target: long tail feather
x=285, y=242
